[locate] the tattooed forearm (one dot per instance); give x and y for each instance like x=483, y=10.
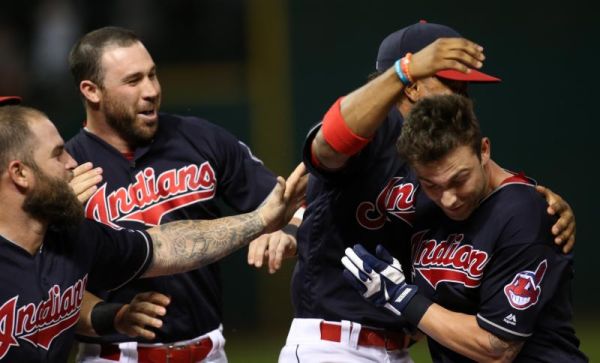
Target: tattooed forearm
x=186, y=245
x=508, y=350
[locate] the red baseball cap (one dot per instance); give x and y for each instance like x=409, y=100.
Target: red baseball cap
x=10, y=100
x=412, y=39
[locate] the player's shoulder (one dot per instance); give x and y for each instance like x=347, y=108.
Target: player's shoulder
x=85, y=146
x=77, y=142
x=187, y=123
x=518, y=197
x=521, y=211
x=194, y=129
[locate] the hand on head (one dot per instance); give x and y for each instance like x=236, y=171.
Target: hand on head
x=446, y=53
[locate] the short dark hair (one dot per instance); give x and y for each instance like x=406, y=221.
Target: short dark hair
x=85, y=56
x=435, y=126
x=16, y=138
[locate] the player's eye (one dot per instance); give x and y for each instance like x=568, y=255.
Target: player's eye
x=432, y=186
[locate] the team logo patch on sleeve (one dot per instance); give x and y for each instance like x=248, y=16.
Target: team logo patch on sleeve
x=524, y=290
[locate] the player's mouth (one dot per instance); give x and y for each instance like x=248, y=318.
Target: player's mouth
x=148, y=115
x=455, y=210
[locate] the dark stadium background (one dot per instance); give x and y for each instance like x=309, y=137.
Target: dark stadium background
x=268, y=69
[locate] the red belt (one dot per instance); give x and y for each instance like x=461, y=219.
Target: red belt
x=190, y=353
x=367, y=337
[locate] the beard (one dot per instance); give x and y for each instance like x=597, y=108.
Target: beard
x=53, y=201
x=123, y=121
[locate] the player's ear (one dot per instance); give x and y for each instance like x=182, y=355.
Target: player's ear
x=90, y=91
x=20, y=173
x=486, y=150
x=412, y=92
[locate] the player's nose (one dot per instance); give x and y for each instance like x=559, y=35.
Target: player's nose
x=448, y=199
x=71, y=163
x=151, y=88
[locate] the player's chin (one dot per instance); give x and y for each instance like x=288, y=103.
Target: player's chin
x=458, y=214
x=146, y=125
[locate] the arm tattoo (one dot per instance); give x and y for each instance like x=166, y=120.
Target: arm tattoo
x=185, y=245
x=507, y=349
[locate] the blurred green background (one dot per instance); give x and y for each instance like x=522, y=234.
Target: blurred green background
x=268, y=69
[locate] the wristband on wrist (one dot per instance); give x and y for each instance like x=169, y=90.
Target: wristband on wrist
x=337, y=133
x=103, y=317
x=416, y=308
x=400, y=73
x=405, y=62
x=401, y=67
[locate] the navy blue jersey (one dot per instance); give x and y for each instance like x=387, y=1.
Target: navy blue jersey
x=41, y=294
x=501, y=265
x=346, y=207
x=189, y=164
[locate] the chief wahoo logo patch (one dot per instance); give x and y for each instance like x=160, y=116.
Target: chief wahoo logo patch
x=524, y=290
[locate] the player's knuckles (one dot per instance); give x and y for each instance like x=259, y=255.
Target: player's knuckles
x=561, y=224
x=558, y=206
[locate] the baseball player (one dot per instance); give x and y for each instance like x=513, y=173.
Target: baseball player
x=156, y=168
x=145, y=309
x=490, y=283
x=358, y=185
x=49, y=253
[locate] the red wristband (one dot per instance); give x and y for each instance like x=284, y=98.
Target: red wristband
x=337, y=133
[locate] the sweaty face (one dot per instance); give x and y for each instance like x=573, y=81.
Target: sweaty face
x=456, y=183
x=52, y=200
x=130, y=93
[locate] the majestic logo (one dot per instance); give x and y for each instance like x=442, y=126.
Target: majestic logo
x=510, y=319
x=524, y=290
x=150, y=197
x=395, y=199
x=40, y=324
x=448, y=260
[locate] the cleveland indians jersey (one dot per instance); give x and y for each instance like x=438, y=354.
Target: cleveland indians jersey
x=346, y=207
x=41, y=294
x=180, y=175
x=502, y=266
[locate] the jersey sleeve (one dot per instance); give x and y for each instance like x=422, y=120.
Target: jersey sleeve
x=525, y=273
x=119, y=255
x=363, y=161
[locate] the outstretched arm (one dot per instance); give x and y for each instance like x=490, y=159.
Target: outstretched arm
x=185, y=245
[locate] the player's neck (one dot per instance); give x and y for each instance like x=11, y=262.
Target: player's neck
x=20, y=228
x=97, y=125
x=496, y=175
